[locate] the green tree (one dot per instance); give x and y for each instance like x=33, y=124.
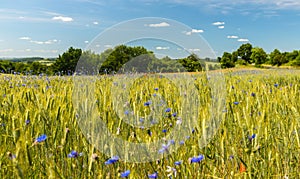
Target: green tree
x=258, y=56
x=67, y=62
x=276, y=58
x=245, y=52
x=226, y=60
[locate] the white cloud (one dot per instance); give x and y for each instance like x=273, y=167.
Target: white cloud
x=48, y=42
x=218, y=23
x=243, y=40
x=162, y=48
x=25, y=38
x=63, y=18
x=95, y=23
x=194, y=50
x=221, y=27
x=86, y=41
x=232, y=37
x=162, y=24
x=194, y=31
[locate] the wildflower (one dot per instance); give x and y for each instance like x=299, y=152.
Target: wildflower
x=126, y=112
x=197, y=159
x=232, y=87
x=236, y=103
x=112, y=160
x=253, y=94
x=125, y=174
x=172, y=141
x=171, y=171
x=164, y=130
x=41, y=138
x=156, y=89
x=73, y=154
x=251, y=137
x=276, y=85
x=193, y=131
x=27, y=121
x=154, y=175
x=177, y=163
x=168, y=109
x=242, y=168
x=165, y=148
x=174, y=114
x=231, y=157
x=147, y=103
x=179, y=121
x=154, y=94
x=181, y=142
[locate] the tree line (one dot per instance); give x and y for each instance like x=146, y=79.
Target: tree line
x=123, y=59
x=246, y=54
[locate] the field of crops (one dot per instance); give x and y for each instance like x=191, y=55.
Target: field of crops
x=41, y=133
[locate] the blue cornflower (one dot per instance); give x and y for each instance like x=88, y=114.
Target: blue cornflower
x=177, y=163
x=174, y=114
x=73, y=154
x=172, y=141
x=193, y=131
x=154, y=175
x=276, y=85
x=41, y=138
x=154, y=94
x=165, y=148
x=236, y=103
x=164, y=130
x=181, y=142
x=147, y=103
x=112, y=160
x=126, y=112
x=125, y=174
x=251, y=137
x=27, y=121
x=231, y=157
x=253, y=94
x=168, y=109
x=156, y=89
x=197, y=159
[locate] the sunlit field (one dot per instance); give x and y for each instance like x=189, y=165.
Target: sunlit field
x=257, y=138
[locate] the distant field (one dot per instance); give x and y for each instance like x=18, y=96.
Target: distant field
x=258, y=136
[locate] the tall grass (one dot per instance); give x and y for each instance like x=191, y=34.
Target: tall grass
x=258, y=136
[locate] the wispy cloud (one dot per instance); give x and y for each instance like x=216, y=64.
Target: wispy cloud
x=232, y=37
x=95, y=23
x=194, y=50
x=25, y=38
x=162, y=24
x=218, y=23
x=63, y=18
x=221, y=27
x=162, y=48
x=194, y=31
x=243, y=40
x=47, y=42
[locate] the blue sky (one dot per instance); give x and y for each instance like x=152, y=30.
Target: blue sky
x=47, y=28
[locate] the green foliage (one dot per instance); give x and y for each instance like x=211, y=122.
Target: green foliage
x=258, y=56
x=245, y=52
x=227, y=60
x=66, y=63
